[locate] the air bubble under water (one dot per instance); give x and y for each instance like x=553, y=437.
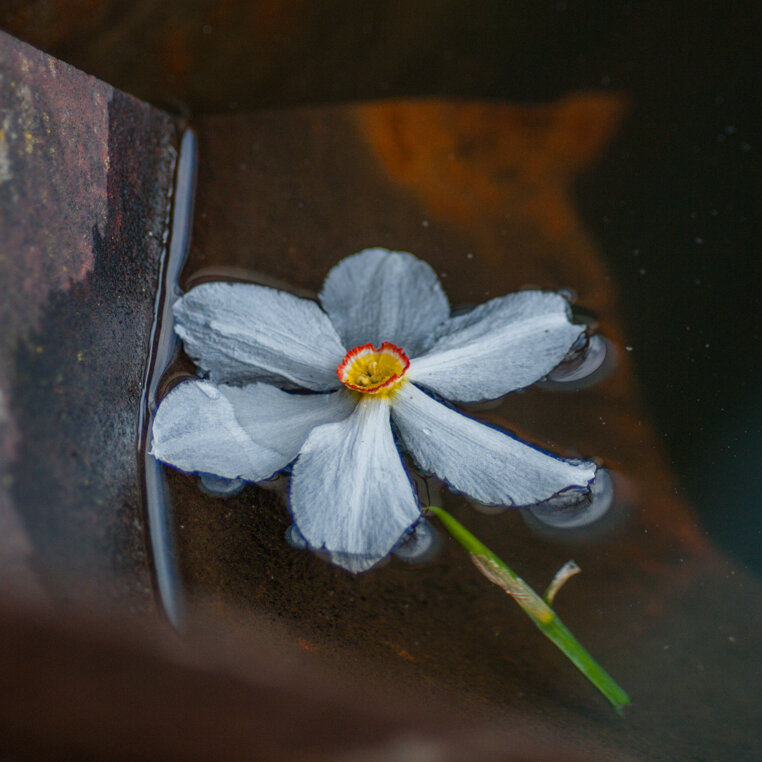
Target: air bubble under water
x=419, y=545
x=590, y=360
x=218, y=486
x=563, y=515
x=295, y=538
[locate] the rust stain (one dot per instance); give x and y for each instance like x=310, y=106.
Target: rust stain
x=46, y=174
x=187, y=41
x=307, y=646
x=51, y=182
x=5, y=161
x=468, y=160
x=486, y=168
x=51, y=22
x=399, y=651
x=177, y=58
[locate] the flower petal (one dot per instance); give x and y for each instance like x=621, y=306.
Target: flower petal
x=380, y=295
x=349, y=562
x=503, y=345
x=353, y=563
x=244, y=332
x=350, y=493
x=248, y=432
x=482, y=462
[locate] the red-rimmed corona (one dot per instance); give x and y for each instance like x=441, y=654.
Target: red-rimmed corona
x=372, y=370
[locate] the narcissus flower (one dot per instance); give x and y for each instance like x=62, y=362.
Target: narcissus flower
x=381, y=348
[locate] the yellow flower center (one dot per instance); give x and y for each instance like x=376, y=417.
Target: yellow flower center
x=373, y=371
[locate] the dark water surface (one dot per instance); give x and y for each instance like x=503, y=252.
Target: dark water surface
x=482, y=193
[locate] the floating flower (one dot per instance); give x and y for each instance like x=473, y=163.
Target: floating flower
x=380, y=348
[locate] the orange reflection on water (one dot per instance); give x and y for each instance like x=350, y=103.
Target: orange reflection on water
x=468, y=160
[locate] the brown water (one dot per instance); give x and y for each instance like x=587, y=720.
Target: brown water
x=479, y=191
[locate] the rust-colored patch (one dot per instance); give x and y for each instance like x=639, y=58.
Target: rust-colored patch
x=53, y=172
x=52, y=22
x=470, y=160
x=499, y=171
x=305, y=645
x=176, y=53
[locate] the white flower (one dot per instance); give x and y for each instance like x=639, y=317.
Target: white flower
x=382, y=348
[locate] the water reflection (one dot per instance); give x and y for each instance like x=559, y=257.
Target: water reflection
x=218, y=486
x=568, y=517
x=488, y=510
x=420, y=545
x=590, y=361
x=295, y=538
x=164, y=346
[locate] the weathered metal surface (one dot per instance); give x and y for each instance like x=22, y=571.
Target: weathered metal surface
x=86, y=177
x=482, y=193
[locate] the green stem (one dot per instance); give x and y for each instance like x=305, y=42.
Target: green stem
x=535, y=607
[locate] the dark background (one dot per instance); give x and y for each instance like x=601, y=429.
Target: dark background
x=672, y=205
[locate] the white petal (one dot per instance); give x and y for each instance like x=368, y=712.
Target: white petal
x=244, y=332
x=502, y=345
x=248, y=432
x=350, y=493
x=380, y=295
x=354, y=563
x=477, y=460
